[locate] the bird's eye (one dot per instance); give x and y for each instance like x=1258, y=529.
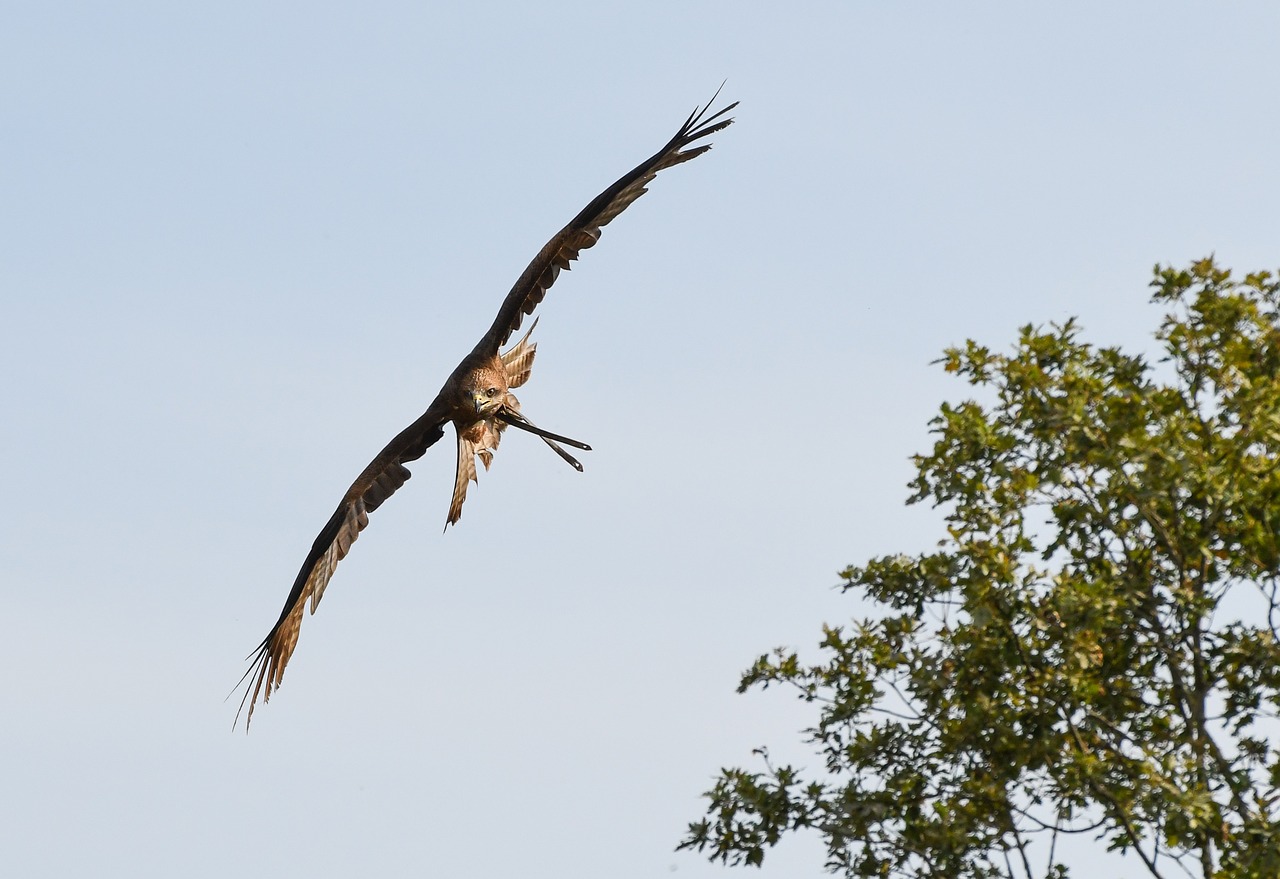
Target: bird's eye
x=492, y=392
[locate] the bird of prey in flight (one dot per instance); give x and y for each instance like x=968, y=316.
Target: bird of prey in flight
x=476, y=397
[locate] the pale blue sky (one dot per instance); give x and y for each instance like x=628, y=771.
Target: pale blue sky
x=242, y=245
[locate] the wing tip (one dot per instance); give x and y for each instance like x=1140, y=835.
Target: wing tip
x=699, y=124
x=258, y=672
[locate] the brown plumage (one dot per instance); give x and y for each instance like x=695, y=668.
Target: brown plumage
x=476, y=397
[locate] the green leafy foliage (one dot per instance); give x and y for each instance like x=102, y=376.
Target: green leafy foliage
x=1092, y=649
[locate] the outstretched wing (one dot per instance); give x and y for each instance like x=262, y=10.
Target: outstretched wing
x=584, y=230
x=379, y=481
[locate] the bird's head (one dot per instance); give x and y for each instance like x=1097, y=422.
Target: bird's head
x=487, y=391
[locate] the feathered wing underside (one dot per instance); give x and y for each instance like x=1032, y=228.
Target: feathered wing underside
x=584, y=230
x=384, y=475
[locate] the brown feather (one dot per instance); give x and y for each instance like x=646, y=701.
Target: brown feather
x=518, y=361
x=466, y=472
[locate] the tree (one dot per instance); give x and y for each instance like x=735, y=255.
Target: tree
x=1093, y=648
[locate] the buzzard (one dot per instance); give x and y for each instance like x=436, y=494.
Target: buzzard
x=476, y=398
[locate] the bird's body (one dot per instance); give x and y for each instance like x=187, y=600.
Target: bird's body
x=476, y=399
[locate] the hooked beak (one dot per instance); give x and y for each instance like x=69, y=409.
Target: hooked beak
x=478, y=400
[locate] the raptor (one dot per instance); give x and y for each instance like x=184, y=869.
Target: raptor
x=477, y=399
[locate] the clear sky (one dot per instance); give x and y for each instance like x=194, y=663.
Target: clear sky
x=243, y=244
